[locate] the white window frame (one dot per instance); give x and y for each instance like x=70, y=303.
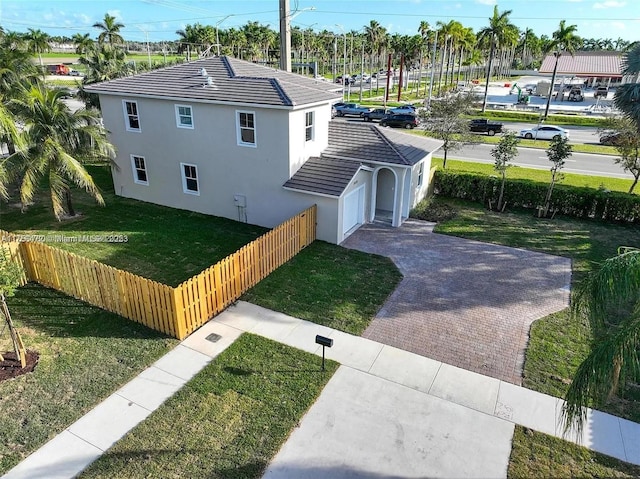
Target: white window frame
x=127, y=118
x=239, y=129
x=420, y=174
x=179, y=123
x=309, y=126
x=135, y=170
x=184, y=179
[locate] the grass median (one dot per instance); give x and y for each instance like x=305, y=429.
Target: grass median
x=228, y=421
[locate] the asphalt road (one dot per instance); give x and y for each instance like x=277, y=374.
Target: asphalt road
x=581, y=163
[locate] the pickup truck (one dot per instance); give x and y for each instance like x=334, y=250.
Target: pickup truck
x=482, y=125
x=352, y=109
x=376, y=114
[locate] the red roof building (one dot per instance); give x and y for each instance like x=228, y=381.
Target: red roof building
x=603, y=64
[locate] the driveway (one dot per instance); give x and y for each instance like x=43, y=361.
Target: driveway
x=463, y=302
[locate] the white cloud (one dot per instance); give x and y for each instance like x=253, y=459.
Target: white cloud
x=574, y=1
x=609, y=4
x=115, y=13
x=487, y=2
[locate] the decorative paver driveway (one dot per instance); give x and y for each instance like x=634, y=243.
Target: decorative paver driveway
x=463, y=302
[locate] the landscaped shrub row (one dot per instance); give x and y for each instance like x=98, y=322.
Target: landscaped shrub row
x=580, y=202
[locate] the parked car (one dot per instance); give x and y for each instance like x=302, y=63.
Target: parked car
x=376, y=114
x=351, y=109
x=543, y=132
x=75, y=73
x=339, y=79
x=334, y=112
x=400, y=120
x=482, y=125
x=601, y=91
x=404, y=109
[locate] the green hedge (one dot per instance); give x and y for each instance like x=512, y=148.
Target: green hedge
x=581, y=202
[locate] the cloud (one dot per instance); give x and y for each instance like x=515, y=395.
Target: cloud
x=487, y=2
x=115, y=13
x=609, y=4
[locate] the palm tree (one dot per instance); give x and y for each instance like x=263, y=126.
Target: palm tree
x=8, y=133
x=498, y=27
x=627, y=97
x=609, y=299
x=109, y=30
x=564, y=39
x=38, y=43
x=55, y=139
x=84, y=43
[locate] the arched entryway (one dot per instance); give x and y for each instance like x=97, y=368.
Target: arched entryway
x=385, y=184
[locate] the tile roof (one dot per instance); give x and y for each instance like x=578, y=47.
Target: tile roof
x=232, y=80
x=368, y=142
x=327, y=176
x=585, y=63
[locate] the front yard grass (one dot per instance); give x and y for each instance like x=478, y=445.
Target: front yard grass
x=228, y=421
x=85, y=355
x=535, y=454
x=329, y=285
x=163, y=244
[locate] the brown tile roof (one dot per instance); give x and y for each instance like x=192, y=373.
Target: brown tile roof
x=585, y=64
x=327, y=176
x=232, y=80
x=368, y=142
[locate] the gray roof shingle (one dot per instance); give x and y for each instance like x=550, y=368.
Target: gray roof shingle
x=233, y=81
x=327, y=176
x=585, y=63
x=368, y=142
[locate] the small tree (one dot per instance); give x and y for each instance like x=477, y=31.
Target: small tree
x=557, y=153
x=626, y=134
x=503, y=154
x=445, y=121
x=10, y=279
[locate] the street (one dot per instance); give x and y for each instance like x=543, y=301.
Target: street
x=580, y=163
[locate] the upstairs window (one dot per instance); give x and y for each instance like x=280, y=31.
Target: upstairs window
x=139, y=167
x=420, y=174
x=184, y=116
x=246, y=128
x=308, y=126
x=131, y=116
x=190, y=179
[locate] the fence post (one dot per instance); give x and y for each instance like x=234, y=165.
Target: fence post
x=180, y=326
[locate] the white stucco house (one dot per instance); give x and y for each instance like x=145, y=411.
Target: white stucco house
x=229, y=138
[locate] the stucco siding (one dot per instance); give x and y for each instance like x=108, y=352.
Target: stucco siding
x=418, y=193
x=363, y=177
x=300, y=150
x=224, y=168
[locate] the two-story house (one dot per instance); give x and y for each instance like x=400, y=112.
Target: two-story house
x=230, y=138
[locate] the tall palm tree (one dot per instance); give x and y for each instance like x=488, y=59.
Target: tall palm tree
x=83, y=42
x=564, y=39
x=627, y=97
x=109, y=29
x=57, y=141
x=495, y=33
x=609, y=299
x=38, y=43
x=8, y=133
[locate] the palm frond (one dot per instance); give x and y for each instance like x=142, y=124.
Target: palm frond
x=612, y=358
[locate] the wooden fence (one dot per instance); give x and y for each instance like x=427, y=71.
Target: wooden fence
x=175, y=311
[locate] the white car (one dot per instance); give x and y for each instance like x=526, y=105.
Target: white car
x=75, y=73
x=543, y=132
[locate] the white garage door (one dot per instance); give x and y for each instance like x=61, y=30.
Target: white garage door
x=353, y=210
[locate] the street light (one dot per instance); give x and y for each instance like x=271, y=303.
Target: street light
x=433, y=64
x=344, y=59
x=217, y=37
x=146, y=33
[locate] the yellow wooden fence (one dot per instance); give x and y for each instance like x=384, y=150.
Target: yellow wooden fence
x=175, y=311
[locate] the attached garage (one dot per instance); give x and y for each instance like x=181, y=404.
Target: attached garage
x=353, y=210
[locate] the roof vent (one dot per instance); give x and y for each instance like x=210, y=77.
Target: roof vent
x=202, y=72
x=208, y=82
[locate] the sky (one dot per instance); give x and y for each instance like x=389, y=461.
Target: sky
x=159, y=19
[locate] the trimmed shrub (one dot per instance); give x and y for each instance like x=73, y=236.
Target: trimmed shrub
x=580, y=202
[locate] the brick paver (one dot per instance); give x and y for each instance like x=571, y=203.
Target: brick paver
x=463, y=302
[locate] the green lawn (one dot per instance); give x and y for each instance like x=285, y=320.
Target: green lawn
x=544, y=176
x=329, y=285
x=85, y=354
x=535, y=454
x=163, y=244
x=228, y=421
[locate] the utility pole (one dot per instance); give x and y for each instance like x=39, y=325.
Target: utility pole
x=362, y=72
x=285, y=36
x=433, y=63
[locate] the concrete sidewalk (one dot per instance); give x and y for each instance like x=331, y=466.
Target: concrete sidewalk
x=385, y=413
